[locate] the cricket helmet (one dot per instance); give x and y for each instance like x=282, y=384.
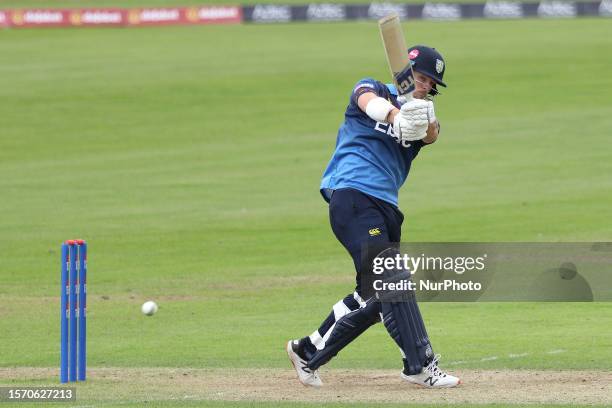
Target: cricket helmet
x=428, y=61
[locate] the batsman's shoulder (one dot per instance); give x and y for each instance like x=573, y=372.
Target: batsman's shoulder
x=366, y=85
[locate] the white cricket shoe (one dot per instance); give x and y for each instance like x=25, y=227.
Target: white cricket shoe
x=433, y=377
x=305, y=375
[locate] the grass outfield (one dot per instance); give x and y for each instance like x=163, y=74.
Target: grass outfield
x=190, y=157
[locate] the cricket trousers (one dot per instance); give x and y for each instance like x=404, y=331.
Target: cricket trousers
x=358, y=220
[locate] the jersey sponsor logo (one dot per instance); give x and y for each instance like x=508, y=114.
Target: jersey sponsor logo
x=387, y=129
x=374, y=232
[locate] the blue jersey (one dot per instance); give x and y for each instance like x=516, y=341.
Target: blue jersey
x=368, y=156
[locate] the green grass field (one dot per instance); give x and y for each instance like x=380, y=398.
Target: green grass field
x=190, y=159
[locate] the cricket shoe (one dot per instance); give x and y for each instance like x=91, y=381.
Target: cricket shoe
x=305, y=375
x=432, y=376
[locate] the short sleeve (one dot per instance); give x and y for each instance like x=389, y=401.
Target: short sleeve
x=367, y=85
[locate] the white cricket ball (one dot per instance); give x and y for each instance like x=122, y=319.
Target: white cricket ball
x=149, y=308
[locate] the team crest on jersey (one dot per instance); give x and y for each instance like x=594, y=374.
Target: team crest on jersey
x=439, y=66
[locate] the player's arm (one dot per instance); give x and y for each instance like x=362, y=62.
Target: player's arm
x=377, y=108
x=410, y=122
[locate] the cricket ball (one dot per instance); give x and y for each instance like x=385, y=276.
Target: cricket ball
x=149, y=308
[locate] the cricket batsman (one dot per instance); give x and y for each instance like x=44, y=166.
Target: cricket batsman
x=380, y=137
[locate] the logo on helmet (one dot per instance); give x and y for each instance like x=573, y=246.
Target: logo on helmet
x=439, y=66
x=413, y=54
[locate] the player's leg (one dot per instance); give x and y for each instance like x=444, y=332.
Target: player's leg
x=404, y=323
x=307, y=346
x=302, y=352
x=357, y=222
x=402, y=318
x=345, y=330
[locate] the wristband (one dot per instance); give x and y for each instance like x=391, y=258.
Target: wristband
x=378, y=109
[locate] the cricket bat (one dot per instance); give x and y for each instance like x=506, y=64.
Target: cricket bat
x=397, y=53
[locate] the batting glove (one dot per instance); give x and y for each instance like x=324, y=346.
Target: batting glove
x=412, y=120
x=431, y=114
